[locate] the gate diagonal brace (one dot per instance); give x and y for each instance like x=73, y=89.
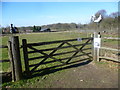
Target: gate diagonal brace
x=80, y=49
x=47, y=56
x=86, y=54
x=72, y=45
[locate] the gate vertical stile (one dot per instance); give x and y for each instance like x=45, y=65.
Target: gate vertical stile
x=25, y=53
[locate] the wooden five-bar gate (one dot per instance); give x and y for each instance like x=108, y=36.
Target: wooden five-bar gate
x=61, y=52
x=51, y=55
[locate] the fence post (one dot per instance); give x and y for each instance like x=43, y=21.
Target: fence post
x=25, y=53
x=11, y=60
x=96, y=46
x=16, y=57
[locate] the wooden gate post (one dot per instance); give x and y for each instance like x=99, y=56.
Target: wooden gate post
x=25, y=54
x=16, y=57
x=96, y=46
x=11, y=60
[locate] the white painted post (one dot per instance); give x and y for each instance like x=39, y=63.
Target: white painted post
x=96, y=46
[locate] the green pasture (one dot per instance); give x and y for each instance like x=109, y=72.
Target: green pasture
x=43, y=37
x=36, y=38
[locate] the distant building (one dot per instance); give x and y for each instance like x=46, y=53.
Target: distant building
x=45, y=30
x=5, y=30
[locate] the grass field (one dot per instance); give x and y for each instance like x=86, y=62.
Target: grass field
x=35, y=38
x=50, y=36
x=43, y=37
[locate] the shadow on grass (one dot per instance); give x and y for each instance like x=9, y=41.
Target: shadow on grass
x=54, y=69
x=65, y=63
x=6, y=77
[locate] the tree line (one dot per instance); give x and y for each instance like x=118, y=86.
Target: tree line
x=109, y=22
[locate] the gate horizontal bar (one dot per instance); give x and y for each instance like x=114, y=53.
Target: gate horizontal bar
x=4, y=60
x=2, y=46
x=88, y=59
x=109, y=48
x=52, y=42
x=37, y=51
x=59, y=59
x=57, y=54
x=108, y=58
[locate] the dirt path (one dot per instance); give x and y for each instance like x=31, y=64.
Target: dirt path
x=87, y=76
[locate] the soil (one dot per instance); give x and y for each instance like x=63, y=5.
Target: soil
x=92, y=75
